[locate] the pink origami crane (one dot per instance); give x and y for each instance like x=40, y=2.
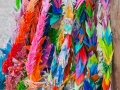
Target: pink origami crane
x=78, y=3
x=105, y=3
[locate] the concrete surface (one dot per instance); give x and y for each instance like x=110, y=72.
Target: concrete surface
x=115, y=24
x=6, y=20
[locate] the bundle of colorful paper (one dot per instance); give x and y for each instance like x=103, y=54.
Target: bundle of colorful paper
x=55, y=47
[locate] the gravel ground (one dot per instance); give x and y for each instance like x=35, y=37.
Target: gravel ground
x=6, y=20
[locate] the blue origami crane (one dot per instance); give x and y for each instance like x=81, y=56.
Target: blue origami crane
x=107, y=36
x=93, y=69
x=59, y=75
x=4, y=55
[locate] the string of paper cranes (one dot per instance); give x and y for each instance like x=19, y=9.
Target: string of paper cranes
x=55, y=46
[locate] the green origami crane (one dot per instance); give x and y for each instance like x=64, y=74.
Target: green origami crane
x=89, y=11
x=92, y=60
x=89, y=31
